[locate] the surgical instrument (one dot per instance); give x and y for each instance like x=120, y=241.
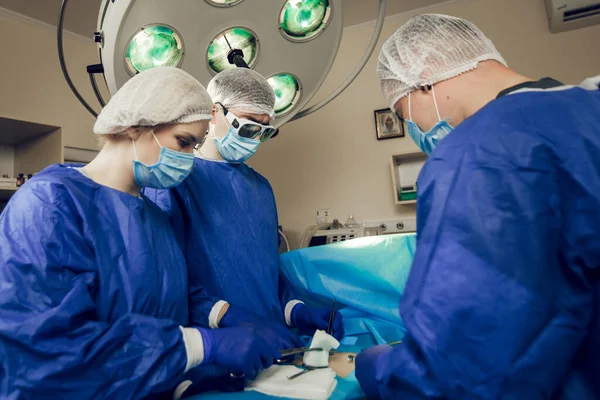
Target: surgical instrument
x=299, y=350
x=331, y=316
x=307, y=369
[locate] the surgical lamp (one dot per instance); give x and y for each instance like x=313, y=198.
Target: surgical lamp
x=293, y=43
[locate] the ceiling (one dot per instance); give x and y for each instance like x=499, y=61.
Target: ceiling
x=360, y=11
x=82, y=15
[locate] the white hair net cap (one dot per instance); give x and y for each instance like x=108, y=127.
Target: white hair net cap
x=243, y=89
x=162, y=95
x=428, y=49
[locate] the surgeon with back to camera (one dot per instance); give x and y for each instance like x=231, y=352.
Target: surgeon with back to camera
x=227, y=214
x=503, y=297
x=93, y=299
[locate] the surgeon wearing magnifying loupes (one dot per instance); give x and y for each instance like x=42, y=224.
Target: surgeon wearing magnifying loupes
x=226, y=217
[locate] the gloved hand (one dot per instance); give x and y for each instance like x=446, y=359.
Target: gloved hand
x=279, y=336
x=308, y=320
x=241, y=350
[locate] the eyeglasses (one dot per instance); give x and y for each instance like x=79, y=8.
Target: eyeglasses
x=249, y=129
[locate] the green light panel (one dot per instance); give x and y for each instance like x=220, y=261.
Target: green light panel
x=154, y=46
x=302, y=19
x=287, y=91
x=238, y=38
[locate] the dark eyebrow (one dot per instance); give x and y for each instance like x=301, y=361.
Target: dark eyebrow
x=189, y=137
x=252, y=118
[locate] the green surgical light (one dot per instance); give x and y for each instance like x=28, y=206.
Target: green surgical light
x=235, y=38
x=287, y=92
x=304, y=19
x=154, y=46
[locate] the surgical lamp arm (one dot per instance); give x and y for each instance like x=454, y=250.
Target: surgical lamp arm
x=61, y=58
x=92, y=71
x=357, y=71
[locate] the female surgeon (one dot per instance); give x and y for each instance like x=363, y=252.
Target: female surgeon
x=93, y=286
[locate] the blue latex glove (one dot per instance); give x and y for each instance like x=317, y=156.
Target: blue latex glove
x=366, y=363
x=279, y=336
x=308, y=320
x=241, y=350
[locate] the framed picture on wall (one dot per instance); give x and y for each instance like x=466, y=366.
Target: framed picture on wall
x=387, y=124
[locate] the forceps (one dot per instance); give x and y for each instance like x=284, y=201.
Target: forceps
x=306, y=370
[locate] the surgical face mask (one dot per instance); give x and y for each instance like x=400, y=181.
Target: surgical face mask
x=234, y=148
x=427, y=141
x=169, y=171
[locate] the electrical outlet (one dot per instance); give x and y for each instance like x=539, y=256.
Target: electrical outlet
x=322, y=216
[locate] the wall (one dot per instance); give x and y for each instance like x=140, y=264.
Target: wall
x=31, y=82
x=332, y=159
x=7, y=160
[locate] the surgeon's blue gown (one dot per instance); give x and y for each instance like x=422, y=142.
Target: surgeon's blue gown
x=503, y=299
x=226, y=217
x=92, y=293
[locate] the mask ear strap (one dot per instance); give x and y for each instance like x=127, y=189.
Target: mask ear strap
x=134, y=151
x=225, y=116
x=409, y=110
x=155, y=138
x=435, y=103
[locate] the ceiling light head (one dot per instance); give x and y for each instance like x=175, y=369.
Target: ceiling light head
x=304, y=20
x=237, y=38
x=288, y=91
x=154, y=46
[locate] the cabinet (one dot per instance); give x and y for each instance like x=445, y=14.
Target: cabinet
x=405, y=171
x=27, y=148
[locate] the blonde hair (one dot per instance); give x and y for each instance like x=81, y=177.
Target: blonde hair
x=117, y=137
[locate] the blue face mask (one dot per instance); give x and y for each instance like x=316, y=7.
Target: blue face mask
x=169, y=171
x=427, y=141
x=234, y=148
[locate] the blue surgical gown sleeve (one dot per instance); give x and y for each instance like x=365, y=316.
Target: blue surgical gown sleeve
x=173, y=203
x=286, y=295
x=285, y=291
x=52, y=340
x=501, y=291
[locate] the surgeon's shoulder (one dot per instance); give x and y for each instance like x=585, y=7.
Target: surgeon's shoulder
x=551, y=115
x=251, y=171
x=544, y=105
x=258, y=176
x=54, y=186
